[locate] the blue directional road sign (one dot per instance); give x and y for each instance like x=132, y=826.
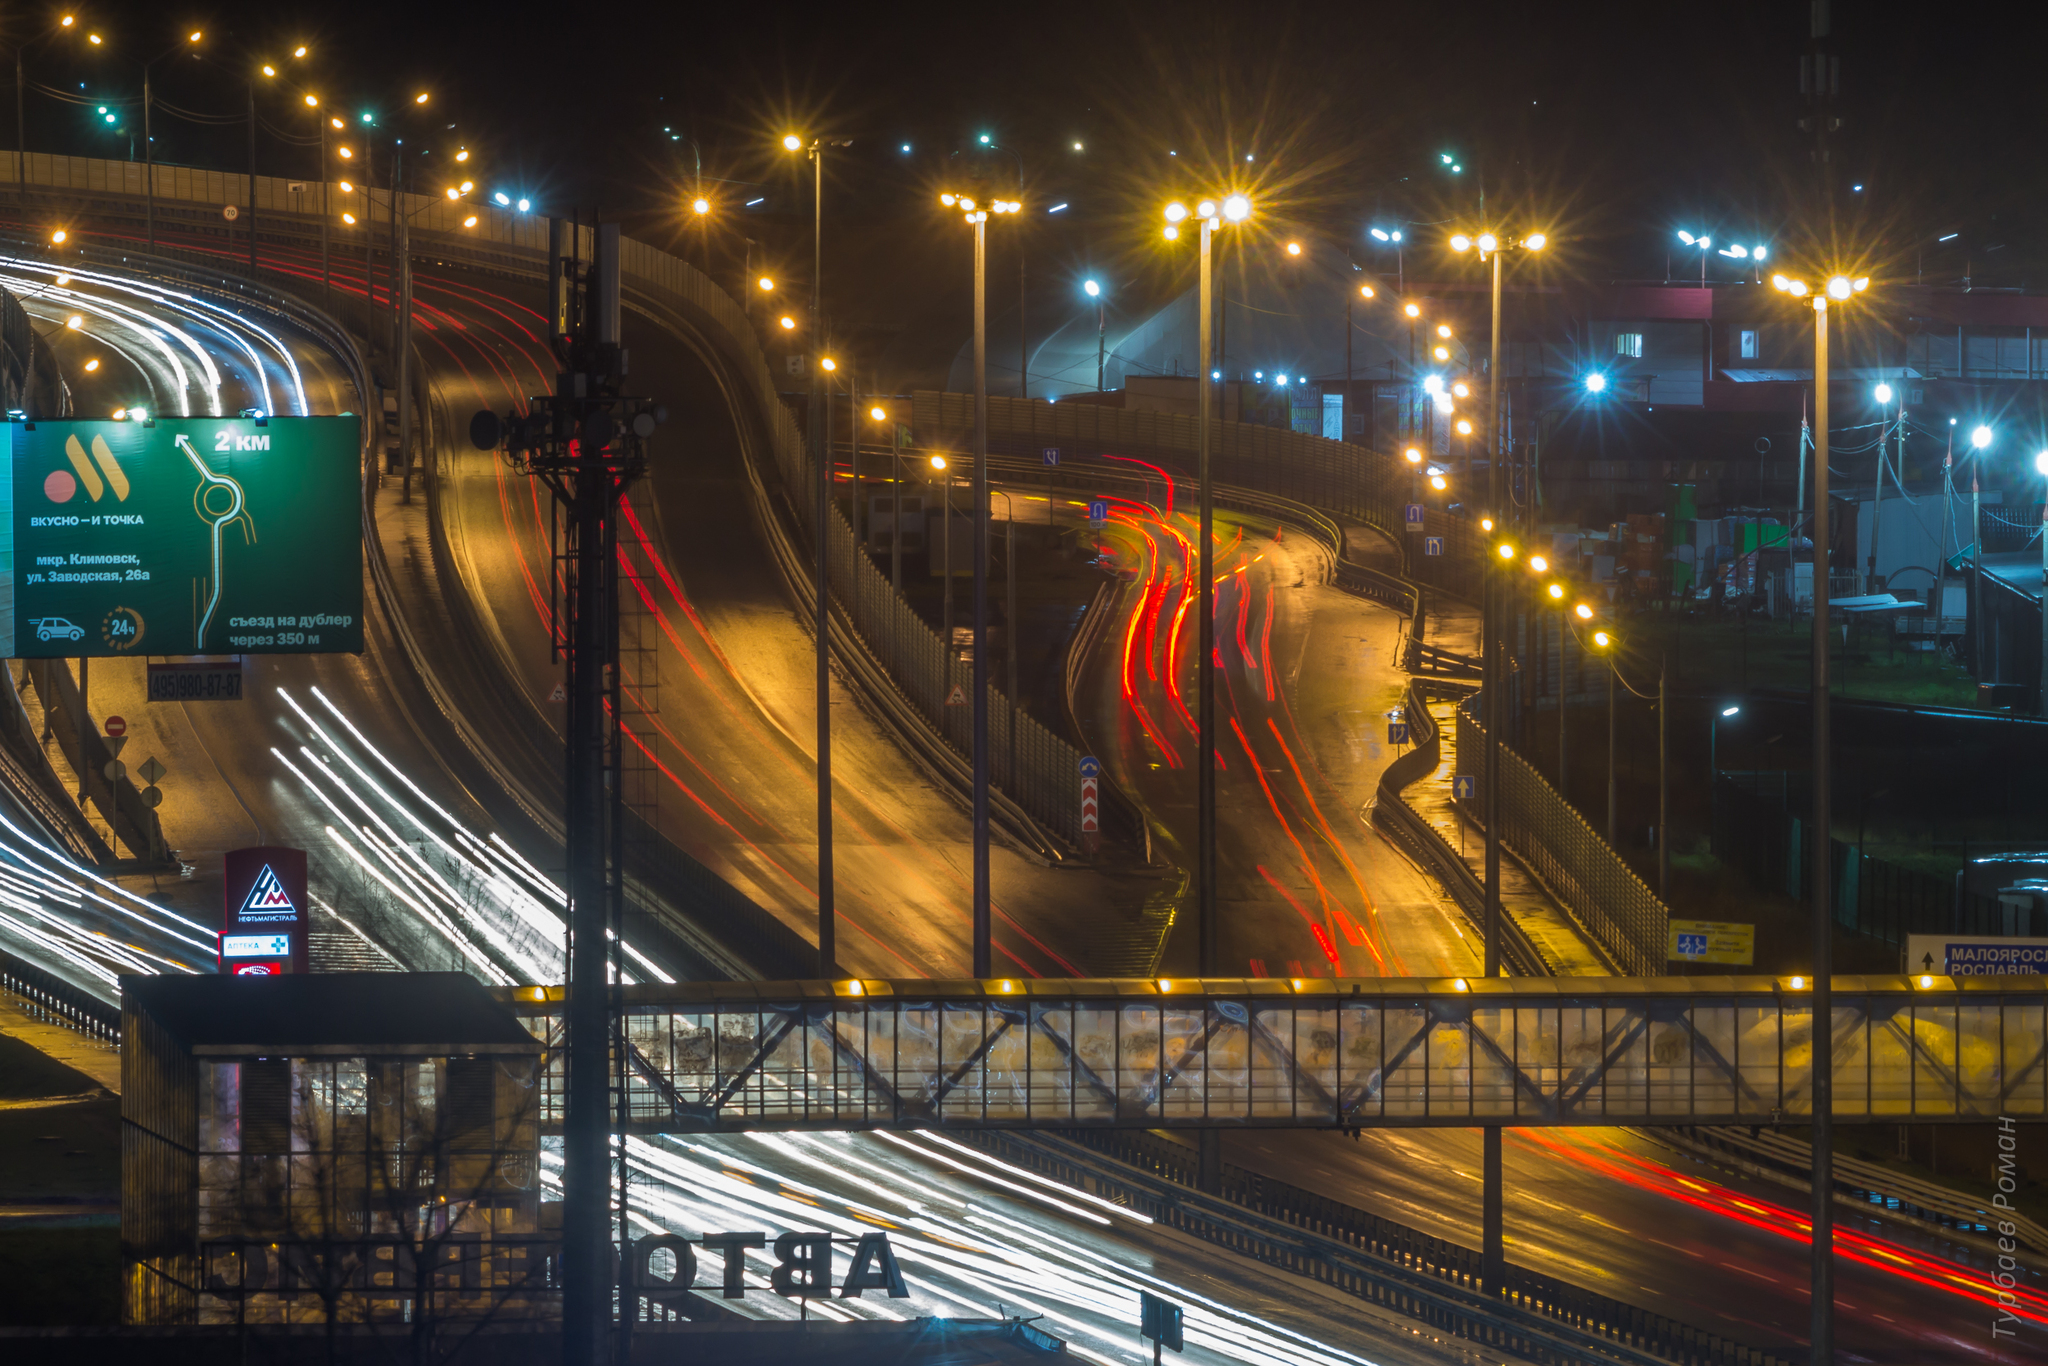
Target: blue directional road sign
x=1432, y=545
x=1415, y=516
x=1397, y=732
x=1052, y=455
x=1692, y=945
x=1090, y=766
x=1465, y=786
x=1098, y=511
x=1160, y=1320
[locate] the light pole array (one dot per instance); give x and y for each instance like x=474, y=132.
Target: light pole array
x=976, y=213
x=1840, y=289
x=188, y=43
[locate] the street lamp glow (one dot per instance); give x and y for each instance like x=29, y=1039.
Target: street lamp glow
x=1172, y=233
x=1379, y=235
x=1536, y=241
x=1596, y=383
x=879, y=413
x=1442, y=353
x=1882, y=393
x=1488, y=242
x=59, y=236
x=828, y=364
x=1539, y=564
x=420, y=98
x=700, y=206
x=1444, y=330
x=1206, y=209
x=788, y=323
x=1237, y=208
x=1365, y=292
x=1412, y=310
x=74, y=322
x=791, y=142
x=312, y=101
x=1176, y=211
x=1464, y=426
x=1981, y=438
x=1413, y=456
x=1094, y=289
x=349, y=219
x=1840, y=288
x=469, y=222
x=1602, y=639
x=1462, y=389
x=1432, y=384
x=1556, y=591
x=1437, y=482
x=524, y=205
x=1730, y=711
x=2041, y=463
x=1294, y=248
x=1583, y=611
x=1461, y=243
x=938, y=462
x=1506, y=551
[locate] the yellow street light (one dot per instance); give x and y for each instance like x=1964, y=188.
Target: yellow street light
x=1176, y=211
x=74, y=322
x=1461, y=242
x=1412, y=310
x=337, y=123
x=1539, y=564
x=788, y=323
x=1365, y=291
x=1437, y=482
x=420, y=98
x=91, y=366
x=346, y=187
x=1506, y=551
x=700, y=206
x=462, y=155
x=791, y=142
x=1172, y=233
x=1442, y=353
x=67, y=21
x=312, y=101
x=1294, y=248
x=1486, y=523
x=469, y=222
x=454, y=193
x=269, y=70
x=879, y=413
x=767, y=283
x=1536, y=241
x=1444, y=330
x=938, y=462
x=94, y=39
x=1237, y=208
x=59, y=236
x=827, y=364
x=1413, y=456
x=349, y=219
x=1464, y=426
x=346, y=154
x=1602, y=640
x=1206, y=209
x=196, y=36
x=1461, y=389
x=1488, y=242
x=1583, y=611
x=299, y=51
x=1556, y=591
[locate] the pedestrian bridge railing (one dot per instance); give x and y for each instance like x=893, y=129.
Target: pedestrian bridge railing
x=1280, y=1053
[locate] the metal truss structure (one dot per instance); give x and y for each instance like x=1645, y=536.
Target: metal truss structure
x=1275, y=1053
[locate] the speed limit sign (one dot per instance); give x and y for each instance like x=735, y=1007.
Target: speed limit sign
x=230, y=212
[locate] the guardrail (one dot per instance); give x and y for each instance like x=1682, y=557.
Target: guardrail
x=1562, y=851
x=1536, y=1317
x=44, y=992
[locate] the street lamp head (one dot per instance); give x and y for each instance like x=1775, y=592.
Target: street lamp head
x=767, y=283
x=700, y=206
x=1596, y=383
x=1094, y=290
x=1461, y=242
x=1365, y=291
x=1380, y=235
x=827, y=364
x=1757, y=253
x=312, y=101
x=791, y=142
x=2041, y=463
x=1442, y=353
x=788, y=323
x=1840, y=287
x=1464, y=426
x=1488, y=242
x=1176, y=211
x=938, y=462
x=1602, y=639
x=1536, y=241
x=879, y=413
x=1412, y=310
x=1294, y=248
x=1412, y=455
x=1461, y=389
x=1438, y=482
x=1539, y=564
x=420, y=98
x=1685, y=237
x=1883, y=393
x=1556, y=591
x=1172, y=233
x=1796, y=288
x=1505, y=551
x=58, y=236
x=1981, y=438
x=1584, y=611
x=1486, y=523
x=1444, y=330
x=1432, y=384
x=1730, y=711
x=1237, y=208
x=1206, y=209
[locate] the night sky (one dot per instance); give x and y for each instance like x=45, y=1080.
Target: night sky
x=1611, y=125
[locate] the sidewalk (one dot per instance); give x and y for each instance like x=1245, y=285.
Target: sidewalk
x=94, y=1057
x=1557, y=936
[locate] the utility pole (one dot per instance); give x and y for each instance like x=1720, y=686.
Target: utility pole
x=587, y=442
x=252, y=178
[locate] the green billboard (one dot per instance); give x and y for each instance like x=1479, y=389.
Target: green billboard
x=183, y=536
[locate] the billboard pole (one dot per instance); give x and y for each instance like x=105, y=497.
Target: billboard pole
x=587, y=442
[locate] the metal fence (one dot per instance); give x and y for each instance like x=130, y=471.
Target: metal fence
x=1755, y=830
x=1267, y=1053
x=1386, y=1258
x=1564, y=852
x=43, y=992
x=1348, y=482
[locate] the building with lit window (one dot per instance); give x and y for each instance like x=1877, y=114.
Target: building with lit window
x=355, y=1146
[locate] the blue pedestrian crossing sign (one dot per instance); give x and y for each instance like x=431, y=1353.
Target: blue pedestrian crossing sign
x=1098, y=511
x=1432, y=545
x=1052, y=455
x=1415, y=516
x=1465, y=786
x=1397, y=732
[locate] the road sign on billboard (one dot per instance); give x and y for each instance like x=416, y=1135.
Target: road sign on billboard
x=1432, y=545
x=183, y=536
x=1976, y=955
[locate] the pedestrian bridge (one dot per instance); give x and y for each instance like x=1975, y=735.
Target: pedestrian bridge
x=1312, y=1052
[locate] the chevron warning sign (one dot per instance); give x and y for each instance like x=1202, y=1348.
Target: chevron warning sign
x=1091, y=796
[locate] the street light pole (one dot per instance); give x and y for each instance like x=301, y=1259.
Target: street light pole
x=1822, y=1330
x=821, y=452
x=982, y=954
